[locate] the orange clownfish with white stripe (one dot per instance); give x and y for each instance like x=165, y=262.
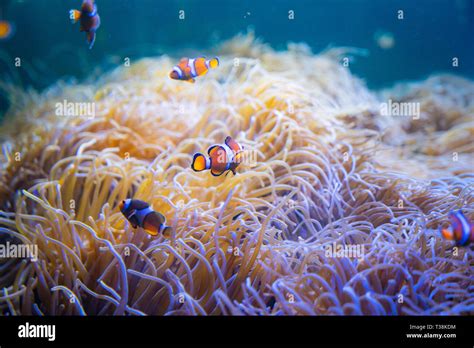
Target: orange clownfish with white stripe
x=89, y=19
x=221, y=159
x=461, y=230
x=190, y=68
x=140, y=214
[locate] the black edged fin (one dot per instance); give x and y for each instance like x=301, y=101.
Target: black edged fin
x=91, y=38
x=193, y=163
x=215, y=174
x=153, y=222
x=211, y=148
x=166, y=231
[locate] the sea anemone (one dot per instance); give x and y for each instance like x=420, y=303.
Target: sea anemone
x=329, y=171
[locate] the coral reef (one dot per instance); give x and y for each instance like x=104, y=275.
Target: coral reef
x=329, y=170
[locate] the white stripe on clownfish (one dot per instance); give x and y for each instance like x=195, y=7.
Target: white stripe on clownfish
x=141, y=214
x=179, y=71
x=193, y=68
x=94, y=11
x=229, y=153
x=464, y=227
x=127, y=204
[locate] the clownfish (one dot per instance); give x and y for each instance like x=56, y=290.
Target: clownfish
x=189, y=68
x=461, y=230
x=140, y=214
x=221, y=158
x=6, y=30
x=89, y=18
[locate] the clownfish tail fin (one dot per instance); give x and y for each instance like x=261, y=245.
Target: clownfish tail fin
x=214, y=63
x=91, y=38
x=74, y=15
x=200, y=162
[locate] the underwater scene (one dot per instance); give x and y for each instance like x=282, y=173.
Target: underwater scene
x=181, y=157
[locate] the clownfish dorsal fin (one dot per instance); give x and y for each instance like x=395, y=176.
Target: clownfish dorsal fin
x=211, y=149
x=88, y=5
x=232, y=144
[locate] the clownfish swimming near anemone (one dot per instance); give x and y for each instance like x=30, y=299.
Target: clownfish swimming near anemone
x=89, y=19
x=461, y=230
x=190, y=68
x=221, y=158
x=140, y=214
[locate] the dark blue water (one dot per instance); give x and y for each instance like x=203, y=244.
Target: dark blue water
x=431, y=33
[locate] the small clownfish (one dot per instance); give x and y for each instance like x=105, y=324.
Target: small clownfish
x=189, y=68
x=221, y=158
x=461, y=230
x=140, y=214
x=89, y=18
x=6, y=30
